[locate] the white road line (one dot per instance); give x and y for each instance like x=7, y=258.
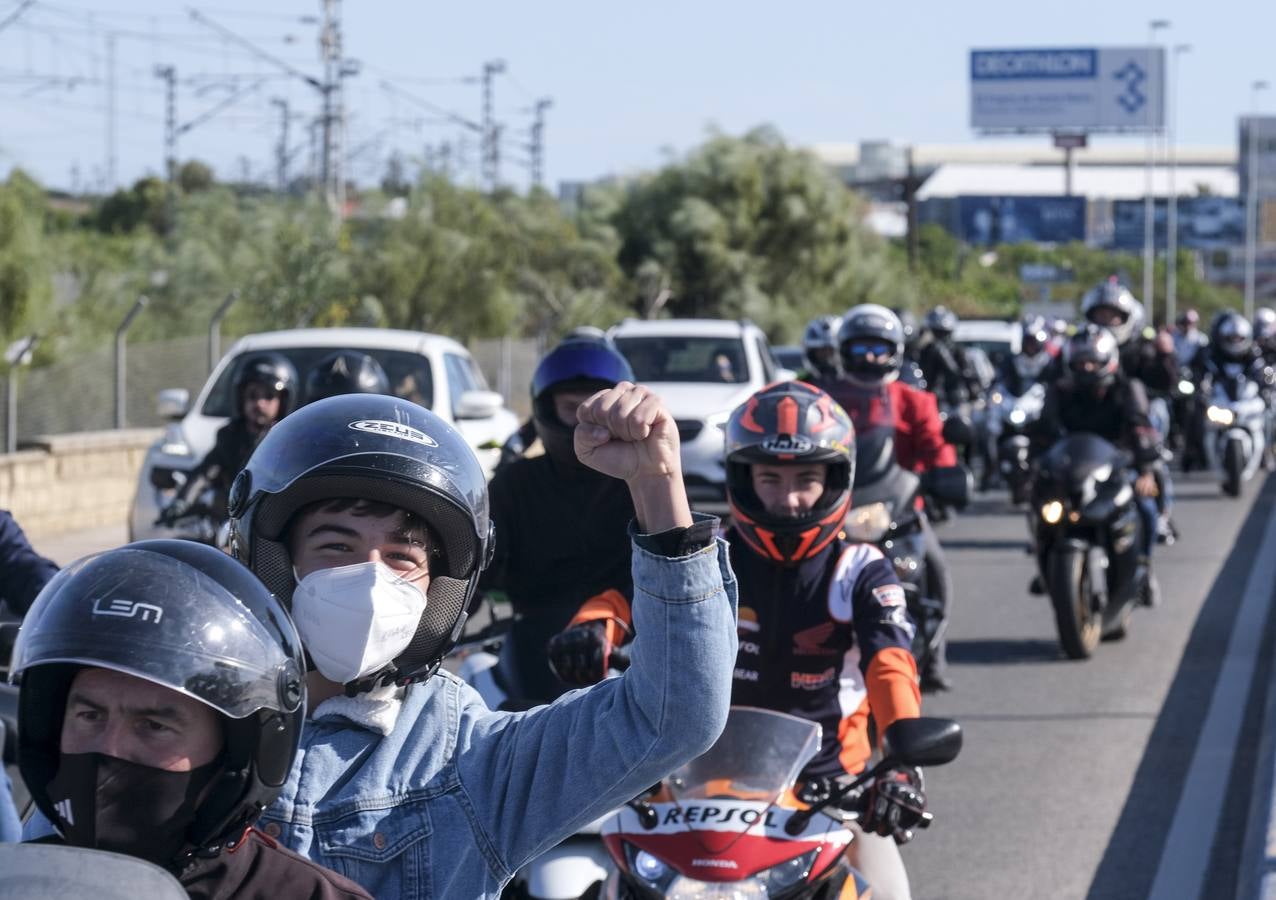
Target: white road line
x=1186, y=856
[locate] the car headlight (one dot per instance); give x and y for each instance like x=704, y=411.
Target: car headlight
x=1052, y=512
x=1018, y=417
x=868, y=524
x=1220, y=415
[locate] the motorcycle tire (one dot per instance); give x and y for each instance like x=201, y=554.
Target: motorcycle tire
x=1079, y=626
x=1233, y=467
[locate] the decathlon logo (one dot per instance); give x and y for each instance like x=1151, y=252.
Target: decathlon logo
x=63, y=809
x=394, y=430
x=127, y=609
x=1132, y=76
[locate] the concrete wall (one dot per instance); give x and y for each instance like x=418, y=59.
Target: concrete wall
x=71, y=482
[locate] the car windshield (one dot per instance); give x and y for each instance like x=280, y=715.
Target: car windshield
x=696, y=359
x=410, y=375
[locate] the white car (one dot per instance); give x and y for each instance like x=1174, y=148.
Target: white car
x=702, y=369
x=435, y=371
x=997, y=339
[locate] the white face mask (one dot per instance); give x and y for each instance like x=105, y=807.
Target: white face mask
x=353, y=620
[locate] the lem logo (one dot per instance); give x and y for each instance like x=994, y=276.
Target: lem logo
x=128, y=609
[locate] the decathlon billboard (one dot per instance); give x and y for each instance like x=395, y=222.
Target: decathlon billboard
x=1067, y=89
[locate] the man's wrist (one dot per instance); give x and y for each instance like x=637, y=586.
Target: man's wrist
x=660, y=502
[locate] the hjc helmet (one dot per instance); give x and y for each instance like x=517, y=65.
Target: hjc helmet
x=1113, y=295
x=941, y=322
x=186, y=617
x=1265, y=327
x=785, y=423
x=1092, y=356
x=866, y=328
x=1231, y=336
x=380, y=449
x=271, y=370
x=819, y=345
x=345, y=372
x=574, y=365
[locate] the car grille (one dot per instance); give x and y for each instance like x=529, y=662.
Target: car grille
x=689, y=429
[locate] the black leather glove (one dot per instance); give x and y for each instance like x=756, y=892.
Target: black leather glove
x=895, y=805
x=580, y=655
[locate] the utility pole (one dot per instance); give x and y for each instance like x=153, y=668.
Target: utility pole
x=491, y=139
x=281, y=149
x=168, y=74
x=538, y=141
x=333, y=105
x=110, y=112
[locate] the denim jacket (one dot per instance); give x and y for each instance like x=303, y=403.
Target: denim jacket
x=457, y=797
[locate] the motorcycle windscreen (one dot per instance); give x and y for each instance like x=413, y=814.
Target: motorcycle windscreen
x=1077, y=458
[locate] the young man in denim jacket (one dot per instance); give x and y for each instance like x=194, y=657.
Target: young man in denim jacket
x=369, y=516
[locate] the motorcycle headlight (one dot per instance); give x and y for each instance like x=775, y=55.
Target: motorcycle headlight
x=1186, y=388
x=787, y=874
x=997, y=397
x=1220, y=415
x=868, y=524
x=651, y=870
x=1018, y=417
x=1052, y=512
x=685, y=888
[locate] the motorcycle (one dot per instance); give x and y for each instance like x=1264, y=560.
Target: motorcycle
x=511, y=673
x=728, y=824
x=884, y=512
x=196, y=521
x=1234, y=427
x=1008, y=422
x=1088, y=536
x=50, y=870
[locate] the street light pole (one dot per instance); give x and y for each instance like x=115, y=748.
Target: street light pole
x=1149, y=202
x=1172, y=214
x=1251, y=199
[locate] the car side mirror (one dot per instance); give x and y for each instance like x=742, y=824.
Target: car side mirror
x=924, y=741
x=173, y=403
x=478, y=405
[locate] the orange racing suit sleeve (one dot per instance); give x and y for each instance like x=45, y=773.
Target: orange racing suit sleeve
x=610, y=607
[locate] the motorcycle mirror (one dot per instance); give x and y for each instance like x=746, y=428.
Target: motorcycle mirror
x=949, y=485
x=958, y=431
x=924, y=741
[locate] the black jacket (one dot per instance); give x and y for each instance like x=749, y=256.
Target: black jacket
x=949, y=374
x=1118, y=415
x=231, y=449
x=23, y=572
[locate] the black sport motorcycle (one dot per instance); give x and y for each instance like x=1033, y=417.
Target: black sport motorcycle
x=885, y=512
x=1088, y=536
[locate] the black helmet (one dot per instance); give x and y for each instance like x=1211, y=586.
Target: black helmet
x=908, y=322
x=587, y=333
x=1188, y=318
x=862, y=328
x=186, y=617
x=790, y=422
x=574, y=365
x=1231, y=336
x=1265, y=327
x=1093, y=356
x=942, y=322
x=345, y=372
x=375, y=448
x=272, y=370
x=1035, y=335
x=819, y=345
x=1113, y=295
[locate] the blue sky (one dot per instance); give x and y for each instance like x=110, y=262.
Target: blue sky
x=630, y=82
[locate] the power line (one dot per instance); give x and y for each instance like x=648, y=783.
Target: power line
x=13, y=16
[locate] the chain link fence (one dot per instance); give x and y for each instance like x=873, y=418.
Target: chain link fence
x=79, y=393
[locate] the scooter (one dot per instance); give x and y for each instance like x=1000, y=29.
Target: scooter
x=1234, y=427
x=1008, y=422
x=50, y=870
x=1088, y=536
x=729, y=824
x=491, y=662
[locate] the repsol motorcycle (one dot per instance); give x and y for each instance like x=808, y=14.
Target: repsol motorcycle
x=1088, y=536
x=509, y=669
x=1234, y=426
x=885, y=512
x=1009, y=418
x=728, y=824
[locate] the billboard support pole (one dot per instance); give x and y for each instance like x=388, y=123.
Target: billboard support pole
x=1172, y=214
x=1251, y=200
x=1149, y=202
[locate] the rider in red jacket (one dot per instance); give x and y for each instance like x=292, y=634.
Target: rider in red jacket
x=871, y=343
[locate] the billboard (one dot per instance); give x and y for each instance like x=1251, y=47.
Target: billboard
x=1013, y=220
x=1068, y=89
x=1204, y=223
x=1265, y=157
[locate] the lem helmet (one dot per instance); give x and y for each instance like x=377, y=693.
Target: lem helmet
x=380, y=449
x=1092, y=356
x=186, y=617
x=271, y=370
x=819, y=345
x=345, y=372
x=871, y=342
x=790, y=422
x=1231, y=336
x=1110, y=305
x=574, y=365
